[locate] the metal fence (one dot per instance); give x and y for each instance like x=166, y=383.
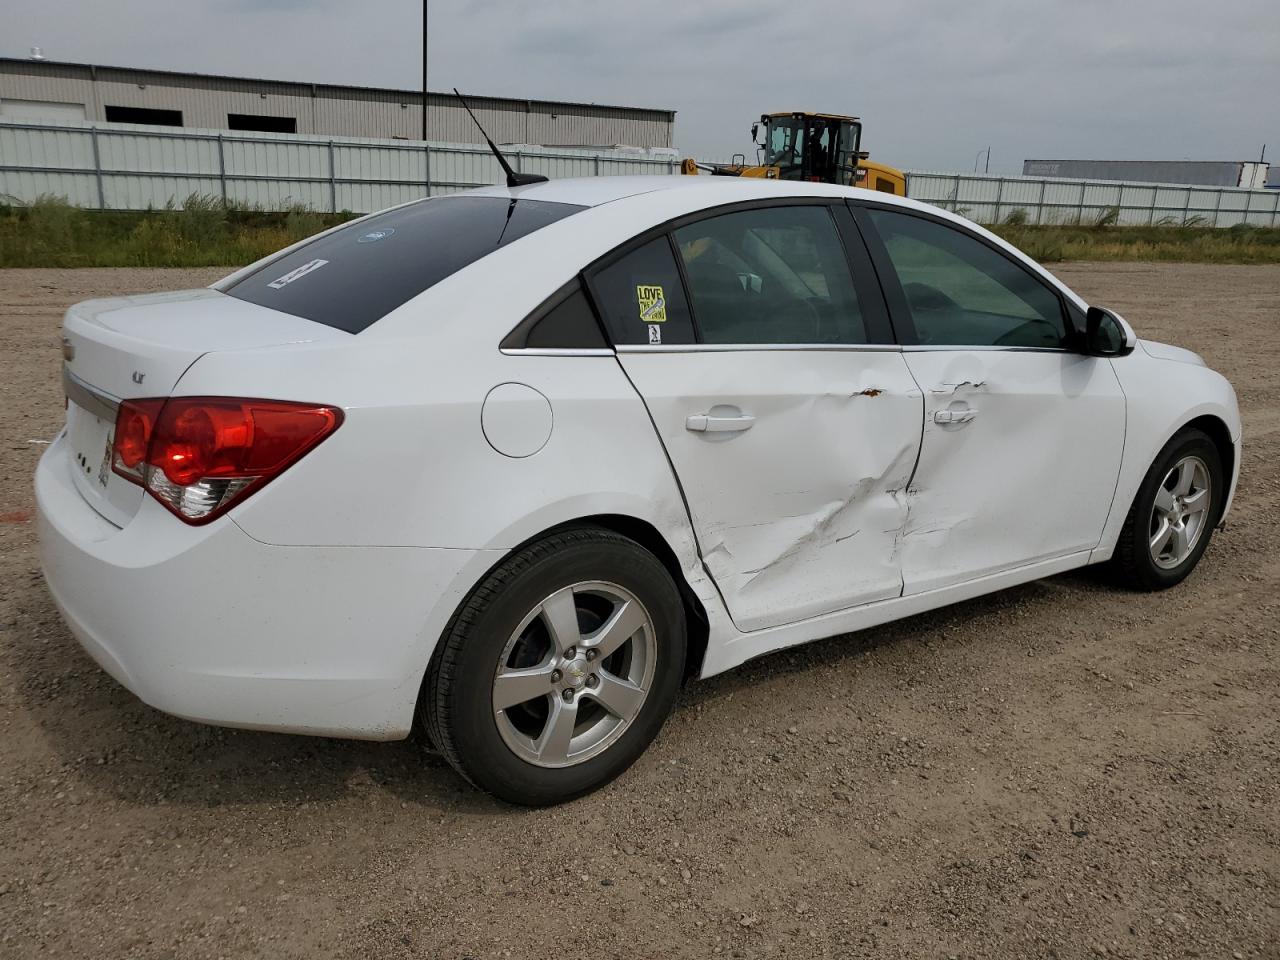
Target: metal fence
x=126, y=167
x=995, y=199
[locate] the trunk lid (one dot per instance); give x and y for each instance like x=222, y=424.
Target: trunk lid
x=127, y=348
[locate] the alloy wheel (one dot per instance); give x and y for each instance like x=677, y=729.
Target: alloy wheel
x=574, y=674
x=1180, y=513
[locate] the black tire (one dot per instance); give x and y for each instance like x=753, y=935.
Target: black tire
x=1132, y=564
x=456, y=705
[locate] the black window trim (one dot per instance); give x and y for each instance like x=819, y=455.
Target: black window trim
x=866, y=281
x=683, y=274
x=876, y=311
x=900, y=312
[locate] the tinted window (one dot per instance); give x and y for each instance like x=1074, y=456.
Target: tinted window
x=962, y=292
x=641, y=297
x=773, y=275
x=363, y=271
x=570, y=323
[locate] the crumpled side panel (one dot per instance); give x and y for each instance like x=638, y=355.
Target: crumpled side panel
x=800, y=514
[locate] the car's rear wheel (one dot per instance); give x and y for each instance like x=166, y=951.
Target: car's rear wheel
x=1171, y=520
x=559, y=669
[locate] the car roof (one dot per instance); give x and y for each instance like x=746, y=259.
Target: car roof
x=680, y=194
x=699, y=190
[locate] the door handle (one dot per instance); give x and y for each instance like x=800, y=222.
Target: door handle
x=705, y=423
x=954, y=416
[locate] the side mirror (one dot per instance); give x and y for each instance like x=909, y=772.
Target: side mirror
x=1106, y=334
x=755, y=131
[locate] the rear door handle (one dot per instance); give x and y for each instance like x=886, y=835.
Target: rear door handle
x=705, y=423
x=954, y=416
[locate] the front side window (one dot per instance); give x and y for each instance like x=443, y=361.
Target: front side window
x=961, y=292
x=359, y=273
x=771, y=275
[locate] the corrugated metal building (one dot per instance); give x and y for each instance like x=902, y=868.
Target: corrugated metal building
x=1207, y=173
x=50, y=90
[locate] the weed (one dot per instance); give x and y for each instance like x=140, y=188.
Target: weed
x=201, y=231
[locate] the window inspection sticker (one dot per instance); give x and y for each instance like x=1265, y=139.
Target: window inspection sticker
x=655, y=333
x=653, y=303
x=293, y=275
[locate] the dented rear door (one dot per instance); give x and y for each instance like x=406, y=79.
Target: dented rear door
x=759, y=340
x=799, y=513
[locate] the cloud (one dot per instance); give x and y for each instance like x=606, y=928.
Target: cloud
x=934, y=80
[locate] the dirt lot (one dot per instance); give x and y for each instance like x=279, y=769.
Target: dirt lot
x=1061, y=770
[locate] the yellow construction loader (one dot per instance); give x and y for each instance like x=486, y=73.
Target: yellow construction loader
x=819, y=147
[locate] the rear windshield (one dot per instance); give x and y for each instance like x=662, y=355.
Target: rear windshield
x=361, y=272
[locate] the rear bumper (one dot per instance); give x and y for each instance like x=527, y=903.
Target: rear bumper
x=209, y=624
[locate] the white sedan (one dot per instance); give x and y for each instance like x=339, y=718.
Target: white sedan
x=511, y=464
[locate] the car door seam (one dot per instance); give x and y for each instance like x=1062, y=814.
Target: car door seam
x=1124, y=447
x=675, y=475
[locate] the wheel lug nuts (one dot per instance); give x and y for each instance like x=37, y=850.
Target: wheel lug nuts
x=567, y=696
x=593, y=681
x=571, y=653
x=556, y=676
x=592, y=654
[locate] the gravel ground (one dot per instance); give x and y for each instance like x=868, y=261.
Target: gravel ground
x=1061, y=770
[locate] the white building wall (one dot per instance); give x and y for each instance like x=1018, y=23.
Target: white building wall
x=324, y=110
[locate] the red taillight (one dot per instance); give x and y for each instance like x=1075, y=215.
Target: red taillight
x=201, y=455
x=134, y=422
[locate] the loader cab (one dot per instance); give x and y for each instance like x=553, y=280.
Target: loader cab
x=818, y=147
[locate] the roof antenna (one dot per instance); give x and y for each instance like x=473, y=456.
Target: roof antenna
x=513, y=179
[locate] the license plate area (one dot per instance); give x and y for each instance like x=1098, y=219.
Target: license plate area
x=89, y=438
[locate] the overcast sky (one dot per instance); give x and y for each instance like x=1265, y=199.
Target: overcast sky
x=935, y=81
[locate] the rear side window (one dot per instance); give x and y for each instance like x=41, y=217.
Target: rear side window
x=773, y=275
x=565, y=321
x=963, y=293
x=642, y=298
x=361, y=272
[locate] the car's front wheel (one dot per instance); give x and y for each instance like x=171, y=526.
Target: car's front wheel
x=559, y=669
x=1171, y=520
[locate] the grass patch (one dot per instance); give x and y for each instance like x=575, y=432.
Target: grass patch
x=49, y=232
x=206, y=233
x=1181, y=244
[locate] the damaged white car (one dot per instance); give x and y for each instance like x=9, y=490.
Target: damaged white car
x=510, y=464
